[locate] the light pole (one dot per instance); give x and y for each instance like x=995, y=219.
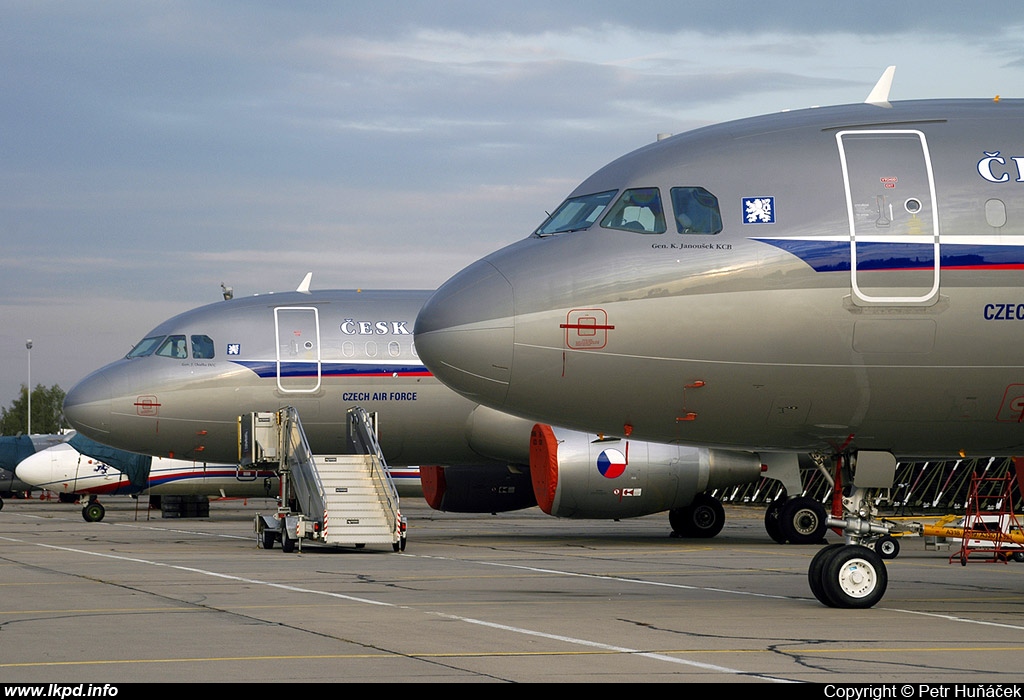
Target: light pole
x=28, y=346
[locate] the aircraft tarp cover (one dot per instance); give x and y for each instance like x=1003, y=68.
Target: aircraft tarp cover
x=136, y=467
x=14, y=448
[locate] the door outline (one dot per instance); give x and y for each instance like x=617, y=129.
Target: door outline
x=298, y=347
x=932, y=238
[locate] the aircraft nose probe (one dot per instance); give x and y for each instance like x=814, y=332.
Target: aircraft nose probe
x=464, y=333
x=87, y=405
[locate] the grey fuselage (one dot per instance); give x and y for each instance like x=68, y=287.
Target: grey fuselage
x=321, y=353
x=181, y=392
x=865, y=291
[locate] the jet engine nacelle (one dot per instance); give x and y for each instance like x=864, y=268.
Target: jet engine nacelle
x=578, y=477
x=490, y=488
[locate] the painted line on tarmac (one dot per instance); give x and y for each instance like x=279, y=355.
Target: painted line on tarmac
x=956, y=618
x=620, y=579
x=137, y=526
x=368, y=601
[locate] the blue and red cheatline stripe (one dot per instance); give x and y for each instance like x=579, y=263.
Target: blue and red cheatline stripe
x=833, y=255
x=269, y=369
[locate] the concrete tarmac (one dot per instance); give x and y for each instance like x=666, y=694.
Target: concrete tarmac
x=514, y=597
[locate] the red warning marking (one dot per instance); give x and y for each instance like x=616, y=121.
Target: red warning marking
x=586, y=329
x=1011, y=410
x=147, y=406
x=589, y=327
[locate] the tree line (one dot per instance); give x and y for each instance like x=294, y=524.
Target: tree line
x=47, y=412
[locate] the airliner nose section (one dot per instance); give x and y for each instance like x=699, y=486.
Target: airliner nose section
x=87, y=405
x=464, y=333
x=35, y=470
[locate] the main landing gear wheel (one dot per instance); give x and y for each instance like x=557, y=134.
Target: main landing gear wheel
x=847, y=576
x=705, y=517
x=771, y=521
x=802, y=520
x=93, y=512
x=887, y=547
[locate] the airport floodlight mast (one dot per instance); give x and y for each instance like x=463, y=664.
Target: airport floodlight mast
x=28, y=346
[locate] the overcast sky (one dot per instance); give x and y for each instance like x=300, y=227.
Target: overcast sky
x=150, y=151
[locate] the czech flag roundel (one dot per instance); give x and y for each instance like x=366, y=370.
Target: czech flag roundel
x=611, y=464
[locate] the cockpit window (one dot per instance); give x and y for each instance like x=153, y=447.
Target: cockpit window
x=696, y=210
x=576, y=213
x=202, y=347
x=146, y=346
x=637, y=210
x=173, y=346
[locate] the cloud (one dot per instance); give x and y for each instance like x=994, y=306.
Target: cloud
x=152, y=151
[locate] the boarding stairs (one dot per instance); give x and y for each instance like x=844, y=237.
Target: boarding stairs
x=335, y=499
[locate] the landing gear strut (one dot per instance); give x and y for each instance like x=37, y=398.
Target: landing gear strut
x=853, y=574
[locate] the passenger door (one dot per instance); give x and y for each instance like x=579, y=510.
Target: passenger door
x=298, y=348
x=893, y=216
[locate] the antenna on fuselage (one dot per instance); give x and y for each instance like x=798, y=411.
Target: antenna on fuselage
x=304, y=286
x=228, y=292
x=879, y=95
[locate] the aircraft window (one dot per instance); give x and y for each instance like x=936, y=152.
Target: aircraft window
x=576, y=213
x=995, y=213
x=146, y=346
x=174, y=346
x=696, y=210
x=202, y=347
x=637, y=210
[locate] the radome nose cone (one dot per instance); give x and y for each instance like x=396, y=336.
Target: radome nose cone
x=87, y=405
x=34, y=469
x=464, y=333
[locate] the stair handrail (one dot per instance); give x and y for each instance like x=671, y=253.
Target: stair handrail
x=295, y=448
x=364, y=441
